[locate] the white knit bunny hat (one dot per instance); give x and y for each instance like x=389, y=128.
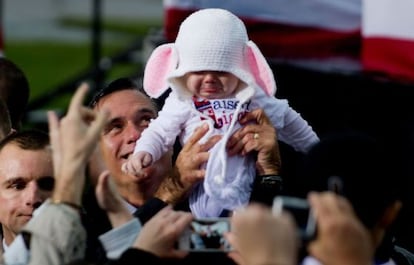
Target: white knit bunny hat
x=208, y=40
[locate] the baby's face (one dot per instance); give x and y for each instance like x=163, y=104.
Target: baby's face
x=211, y=84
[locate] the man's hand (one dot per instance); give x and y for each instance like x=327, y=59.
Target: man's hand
x=162, y=231
x=111, y=201
x=187, y=170
x=258, y=135
x=341, y=238
x=260, y=238
x=73, y=140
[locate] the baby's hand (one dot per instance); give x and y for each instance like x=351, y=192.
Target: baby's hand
x=136, y=163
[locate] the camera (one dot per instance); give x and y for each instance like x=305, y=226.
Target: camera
x=300, y=210
x=206, y=235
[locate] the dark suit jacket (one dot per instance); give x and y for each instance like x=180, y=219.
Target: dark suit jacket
x=96, y=223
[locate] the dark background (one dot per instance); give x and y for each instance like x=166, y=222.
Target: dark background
x=372, y=104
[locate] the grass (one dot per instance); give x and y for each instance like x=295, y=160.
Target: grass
x=123, y=26
x=48, y=64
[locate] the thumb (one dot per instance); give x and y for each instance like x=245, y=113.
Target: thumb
x=147, y=160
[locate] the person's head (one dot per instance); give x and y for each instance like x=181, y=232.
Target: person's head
x=5, y=124
x=358, y=167
x=209, y=40
x=14, y=91
x=130, y=112
x=211, y=84
x=26, y=178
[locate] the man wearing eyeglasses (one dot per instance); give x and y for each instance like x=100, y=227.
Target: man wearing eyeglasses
x=26, y=180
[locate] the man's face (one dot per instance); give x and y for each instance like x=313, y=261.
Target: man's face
x=20, y=194
x=130, y=114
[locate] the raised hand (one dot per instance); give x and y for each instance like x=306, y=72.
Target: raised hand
x=73, y=140
x=111, y=201
x=162, y=231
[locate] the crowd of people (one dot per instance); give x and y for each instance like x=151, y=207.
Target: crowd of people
x=84, y=193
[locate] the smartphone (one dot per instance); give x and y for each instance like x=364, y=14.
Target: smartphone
x=300, y=210
x=206, y=235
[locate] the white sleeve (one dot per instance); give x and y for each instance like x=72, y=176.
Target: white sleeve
x=162, y=132
x=57, y=235
x=297, y=132
x=119, y=239
x=291, y=128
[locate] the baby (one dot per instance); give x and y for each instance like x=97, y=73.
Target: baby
x=216, y=75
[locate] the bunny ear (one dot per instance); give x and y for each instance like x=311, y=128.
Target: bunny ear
x=260, y=69
x=161, y=62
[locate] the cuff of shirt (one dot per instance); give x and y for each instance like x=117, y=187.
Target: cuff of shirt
x=117, y=240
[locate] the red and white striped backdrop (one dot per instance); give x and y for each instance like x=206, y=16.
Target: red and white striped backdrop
x=295, y=30
x=323, y=34
x=388, y=43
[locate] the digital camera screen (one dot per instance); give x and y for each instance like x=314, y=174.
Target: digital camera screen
x=206, y=235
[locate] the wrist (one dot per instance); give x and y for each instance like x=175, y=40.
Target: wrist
x=269, y=171
x=70, y=204
x=171, y=190
x=269, y=162
x=168, y=195
x=69, y=185
x=268, y=168
x=67, y=191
